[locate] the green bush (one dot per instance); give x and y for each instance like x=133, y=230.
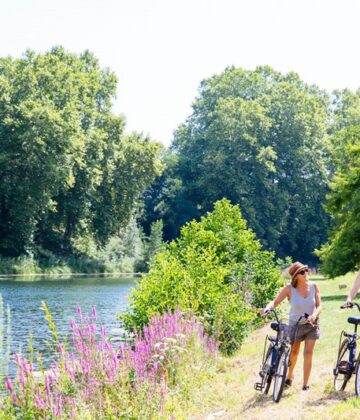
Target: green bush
x=215, y=269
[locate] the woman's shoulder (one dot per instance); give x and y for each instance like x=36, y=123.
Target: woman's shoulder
x=314, y=285
x=287, y=288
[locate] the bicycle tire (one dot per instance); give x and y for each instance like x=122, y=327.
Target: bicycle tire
x=266, y=371
x=280, y=375
x=357, y=377
x=341, y=377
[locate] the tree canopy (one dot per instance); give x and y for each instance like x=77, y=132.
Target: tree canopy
x=258, y=138
x=342, y=251
x=67, y=170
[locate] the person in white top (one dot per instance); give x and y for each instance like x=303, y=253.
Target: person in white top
x=304, y=296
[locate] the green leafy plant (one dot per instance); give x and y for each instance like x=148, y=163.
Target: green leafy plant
x=215, y=269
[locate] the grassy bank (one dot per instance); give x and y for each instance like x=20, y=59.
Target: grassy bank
x=230, y=394
x=26, y=266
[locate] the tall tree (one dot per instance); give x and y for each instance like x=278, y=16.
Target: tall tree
x=259, y=139
x=342, y=251
x=65, y=163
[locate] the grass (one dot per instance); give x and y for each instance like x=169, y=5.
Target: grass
x=230, y=394
x=27, y=266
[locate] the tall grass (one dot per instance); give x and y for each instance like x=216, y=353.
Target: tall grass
x=66, y=265
x=231, y=390
x=92, y=379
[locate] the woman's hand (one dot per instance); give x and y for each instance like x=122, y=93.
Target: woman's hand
x=347, y=304
x=312, y=319
x=264, y=311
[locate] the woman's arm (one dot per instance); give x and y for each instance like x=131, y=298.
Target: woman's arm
x=354, y=289
x=318, y=306
x=284, y=293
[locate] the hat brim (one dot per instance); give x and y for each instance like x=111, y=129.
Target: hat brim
x=301, y=268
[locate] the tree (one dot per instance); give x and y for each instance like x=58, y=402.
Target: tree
x=166, y=199
x=259, y=139
x=342, y=252
x=66, y=168
x=153, y=244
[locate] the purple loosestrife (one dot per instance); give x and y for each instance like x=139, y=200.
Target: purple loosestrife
x=158, y=347
x=96, y=376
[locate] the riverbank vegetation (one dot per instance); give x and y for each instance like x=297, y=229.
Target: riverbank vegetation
x=152, y=377
x=217, y=270
x=265, y=167
x=70, y=177
x=73, y=183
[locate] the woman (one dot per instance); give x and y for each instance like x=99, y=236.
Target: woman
x=304, y=297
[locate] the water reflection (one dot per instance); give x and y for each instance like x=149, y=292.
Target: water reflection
x=62, y=296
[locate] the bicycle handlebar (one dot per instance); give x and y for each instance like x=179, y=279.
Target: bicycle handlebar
x=305, y=315
x=350, y=305
x=274, y=312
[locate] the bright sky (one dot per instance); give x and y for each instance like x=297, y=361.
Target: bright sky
x=161, y=49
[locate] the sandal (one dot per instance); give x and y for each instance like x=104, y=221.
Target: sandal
x=305, y=387
x=288, y=382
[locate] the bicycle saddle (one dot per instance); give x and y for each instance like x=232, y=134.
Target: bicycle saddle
x=275, y=326
x=354, y=320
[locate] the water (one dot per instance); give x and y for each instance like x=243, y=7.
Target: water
x=62, y=296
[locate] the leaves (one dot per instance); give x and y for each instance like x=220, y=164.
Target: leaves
x=216, y=269
x=342, y=252
x=259, y=139
x=67, y=169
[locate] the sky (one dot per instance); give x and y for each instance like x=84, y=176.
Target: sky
x=160, y=50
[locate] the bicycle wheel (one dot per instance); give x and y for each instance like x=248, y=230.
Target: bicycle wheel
x=280, y=374
x=342, y=372
x=357, y=378
x=266, y=374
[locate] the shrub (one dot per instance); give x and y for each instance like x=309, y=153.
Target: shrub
x=215, y=269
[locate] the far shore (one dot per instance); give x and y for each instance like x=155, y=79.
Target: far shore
x=70, y=274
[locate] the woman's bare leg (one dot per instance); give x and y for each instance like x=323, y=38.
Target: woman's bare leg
x=308, y=354
x=295, y=348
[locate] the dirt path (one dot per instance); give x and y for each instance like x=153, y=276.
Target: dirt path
x=230, y=393
x=234, y=397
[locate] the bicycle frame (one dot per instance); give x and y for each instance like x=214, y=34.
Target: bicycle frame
x=352, y=344
x=278, y=346
x=346, y=366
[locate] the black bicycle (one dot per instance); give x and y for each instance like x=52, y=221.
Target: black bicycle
x=275, y=360
x=347, y=363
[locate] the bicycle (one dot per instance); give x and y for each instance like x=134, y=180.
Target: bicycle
x=347, y=363
x=275, y=360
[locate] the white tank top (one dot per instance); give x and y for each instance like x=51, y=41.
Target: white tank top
x=299, y=305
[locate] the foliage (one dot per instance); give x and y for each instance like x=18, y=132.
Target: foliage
x=67, y=170
x=215, y=269
x=342, y=253
x=91, y=379
x=257, y=138
x=166, y=199
x=152, y=245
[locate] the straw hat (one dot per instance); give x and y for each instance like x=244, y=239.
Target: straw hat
x=295, y=268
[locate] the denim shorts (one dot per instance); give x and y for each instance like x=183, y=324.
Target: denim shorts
x=305, y=332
